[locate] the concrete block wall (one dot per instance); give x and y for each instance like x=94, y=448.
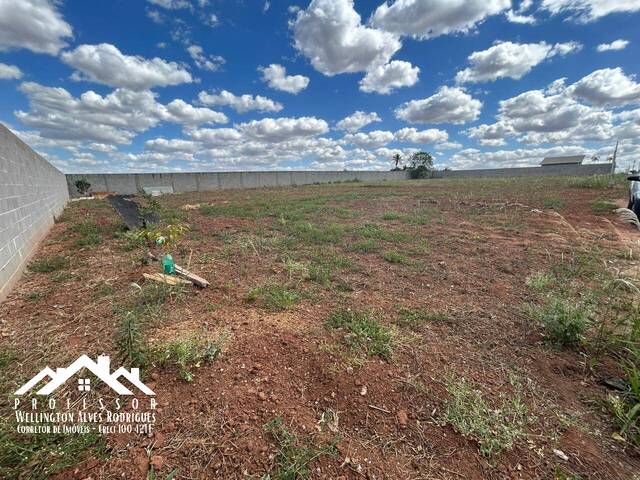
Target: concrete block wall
x=569, y=170
x=132, y=183
x=32, y=193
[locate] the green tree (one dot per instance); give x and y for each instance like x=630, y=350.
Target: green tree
x=82, y=186
x=421, y=165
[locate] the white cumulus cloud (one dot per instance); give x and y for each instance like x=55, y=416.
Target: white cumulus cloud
x=615, y=45
x=447, y=105
x=432, y=18
x=283, y=129
x=240, y=103
x=211, y=63
x=276, y=77
x=590, y=10
x=373, y=139
x=431, y=135
x=357, y=120
x=512, y=60
x=105, y=64
x=390, y=76
x=608, y=87
x=330, y=34
x=9, y=72
x=33, y=24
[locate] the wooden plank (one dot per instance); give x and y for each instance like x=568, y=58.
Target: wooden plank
x=168, y=279
x=195, y=279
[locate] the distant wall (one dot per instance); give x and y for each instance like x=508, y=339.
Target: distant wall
x=592, y=169
x=131, y=183
x=32, y=193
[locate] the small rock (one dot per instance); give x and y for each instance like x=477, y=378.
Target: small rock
x=560, y=454
x=363, y=391
x=262, y=396
x=403, y=418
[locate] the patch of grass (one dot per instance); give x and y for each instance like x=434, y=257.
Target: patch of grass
x=378, y=232
x=400, y=258
x=416, y=317
x=494, y=427
x=293, y=456
x=38, y=457
x=88, y=234
x=32, y=296
x=316, y=233
x=565, y=321
x=393, y=256
x=391, y=216
x=540, y=281
x=49, y=264
x=366, y=246
x=274, y=295
x=363, y=332
x=187, y=353
x=553, y=203
x=140, y=309
x=595, y=181
x=602, y=206
x=6, y=358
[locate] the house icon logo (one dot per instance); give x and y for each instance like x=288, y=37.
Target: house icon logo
x=101, y=369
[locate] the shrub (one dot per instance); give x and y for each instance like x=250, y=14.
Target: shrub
x=565, y=322
x=82, y=185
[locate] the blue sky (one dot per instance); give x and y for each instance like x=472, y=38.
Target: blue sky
x=205, y=85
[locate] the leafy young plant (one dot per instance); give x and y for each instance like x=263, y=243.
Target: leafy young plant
x=565, y=322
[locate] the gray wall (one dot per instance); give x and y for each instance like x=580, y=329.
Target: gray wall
x=130, y=183
x=32, y=193
x=592, y=169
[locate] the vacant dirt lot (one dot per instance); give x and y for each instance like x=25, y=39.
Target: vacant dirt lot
x=424, y=329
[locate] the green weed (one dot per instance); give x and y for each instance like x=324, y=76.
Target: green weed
x=274, y=295
x=564, y=320
x=363, y=332
x=293, y=456
x=495, y=427
x=188, y=353
x=49, y=264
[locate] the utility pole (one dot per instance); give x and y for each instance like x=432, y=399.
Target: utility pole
x=615, y=154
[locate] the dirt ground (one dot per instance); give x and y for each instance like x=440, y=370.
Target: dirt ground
x=439, y=268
